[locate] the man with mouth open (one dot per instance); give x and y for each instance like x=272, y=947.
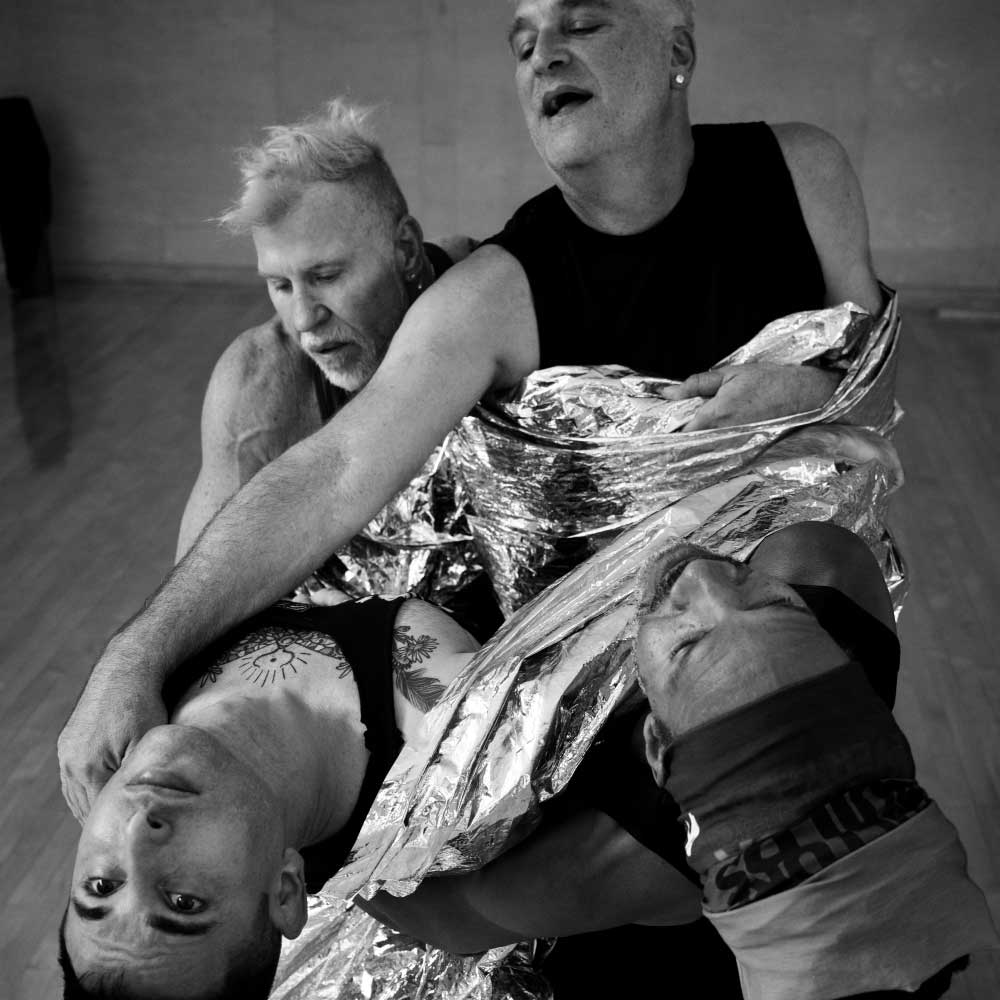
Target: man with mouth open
x=603, y=86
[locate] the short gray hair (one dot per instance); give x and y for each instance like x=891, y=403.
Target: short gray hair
x=336, y=145
x=685, y=8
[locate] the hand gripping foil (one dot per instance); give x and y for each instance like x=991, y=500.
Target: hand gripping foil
x=554, y=469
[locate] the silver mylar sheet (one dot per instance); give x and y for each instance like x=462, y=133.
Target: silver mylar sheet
x=512, y=728
x=575, y=455
x=418, y=545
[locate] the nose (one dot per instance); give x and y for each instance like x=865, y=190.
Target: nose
x=148, y=824
x=549, y=51
x=308, y=312
x=715, y=585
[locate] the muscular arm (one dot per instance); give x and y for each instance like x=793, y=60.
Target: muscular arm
x=259, y=402
x=834, y=212
x=473, y=330
x=582, y=874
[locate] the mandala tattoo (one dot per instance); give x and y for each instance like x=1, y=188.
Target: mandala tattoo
x=267, y=655
x=212, y=673
x=415, y=685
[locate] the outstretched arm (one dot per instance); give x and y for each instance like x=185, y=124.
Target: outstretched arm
x=581, y=874
x=472, y=331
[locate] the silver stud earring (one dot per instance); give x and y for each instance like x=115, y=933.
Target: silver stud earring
x=679, y=79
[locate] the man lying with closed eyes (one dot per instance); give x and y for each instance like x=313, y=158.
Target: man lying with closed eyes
x=824, y=865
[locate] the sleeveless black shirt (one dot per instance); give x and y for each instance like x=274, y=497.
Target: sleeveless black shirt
x=733, y=255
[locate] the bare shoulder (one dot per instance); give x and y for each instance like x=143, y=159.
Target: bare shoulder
x=420, y=618
x=457, y=247
x=808, y=146
x=834, y=211
x=483, y=306
x=257, y=355
x=263, y=379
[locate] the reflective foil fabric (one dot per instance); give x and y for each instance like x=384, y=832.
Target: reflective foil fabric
x=532, y=484
x=576, y=482
x=574, y=455
x=513, y=727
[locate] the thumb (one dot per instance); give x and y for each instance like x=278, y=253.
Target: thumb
x=699, y=384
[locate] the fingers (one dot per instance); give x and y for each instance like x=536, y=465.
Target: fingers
x=707, y=418
x=699, y=384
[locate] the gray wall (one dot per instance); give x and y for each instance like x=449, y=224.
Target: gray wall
x=143, y=101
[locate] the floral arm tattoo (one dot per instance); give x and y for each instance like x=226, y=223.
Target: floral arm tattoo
x=420, y=690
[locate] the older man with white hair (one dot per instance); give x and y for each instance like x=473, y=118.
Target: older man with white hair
x=343, y=259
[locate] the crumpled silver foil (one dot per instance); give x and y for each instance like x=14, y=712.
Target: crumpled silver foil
x=512, y=728
x=575, y=455
x=559, y=492
x=343, y=954
x=418, y=545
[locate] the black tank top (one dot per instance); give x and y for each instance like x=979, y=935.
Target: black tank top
x=363, y=631
x=733, y=255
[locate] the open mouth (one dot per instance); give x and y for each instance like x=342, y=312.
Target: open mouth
x=563, y=99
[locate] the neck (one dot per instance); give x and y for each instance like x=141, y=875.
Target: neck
x=629, y=191
x=312, y=762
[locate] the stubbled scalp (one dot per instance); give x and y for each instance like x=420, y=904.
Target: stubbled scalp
x=679, y=13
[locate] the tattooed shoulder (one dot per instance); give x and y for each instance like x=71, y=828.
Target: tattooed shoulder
x=418, y=687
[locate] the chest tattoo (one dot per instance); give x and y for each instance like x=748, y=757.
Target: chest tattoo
x=273, y=653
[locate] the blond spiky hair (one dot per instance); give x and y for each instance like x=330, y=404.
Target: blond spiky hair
x=336, y=145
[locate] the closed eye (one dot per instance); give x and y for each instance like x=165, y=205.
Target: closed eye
x=689, y=639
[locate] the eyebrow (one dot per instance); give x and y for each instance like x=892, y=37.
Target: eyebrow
x=522, y=23
x=168, y=925
x=311, y=269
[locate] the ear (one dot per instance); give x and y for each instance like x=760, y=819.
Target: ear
x=409, y=246
x=287, y=899
x=655, y=738
x=682, y=57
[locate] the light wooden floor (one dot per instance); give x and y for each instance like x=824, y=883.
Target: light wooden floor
x=99, y=403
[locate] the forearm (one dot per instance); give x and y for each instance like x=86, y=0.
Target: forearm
x=263, y=542
x=439, y=913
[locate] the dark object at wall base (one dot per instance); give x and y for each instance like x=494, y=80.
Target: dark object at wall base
x=25, y=201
